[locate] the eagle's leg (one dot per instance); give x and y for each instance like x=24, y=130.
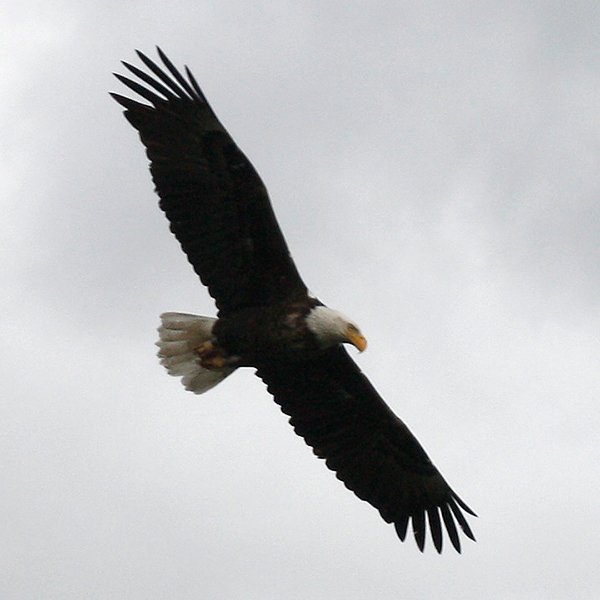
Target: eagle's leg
x=213, y=357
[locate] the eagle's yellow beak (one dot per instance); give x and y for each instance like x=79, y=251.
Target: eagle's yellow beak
x=356, y=338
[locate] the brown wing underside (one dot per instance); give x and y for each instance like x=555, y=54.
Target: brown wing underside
x=216, y=203
x=339, y=414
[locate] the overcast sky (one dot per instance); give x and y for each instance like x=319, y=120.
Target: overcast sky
x=435, y=167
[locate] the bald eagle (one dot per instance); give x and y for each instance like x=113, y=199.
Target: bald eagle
x=220, y=213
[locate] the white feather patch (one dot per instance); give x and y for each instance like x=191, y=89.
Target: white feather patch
x=329, y=326
x=179, y=335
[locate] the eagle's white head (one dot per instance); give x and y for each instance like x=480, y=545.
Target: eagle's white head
x=331, y=327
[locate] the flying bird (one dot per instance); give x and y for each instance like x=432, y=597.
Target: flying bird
x=220, y=213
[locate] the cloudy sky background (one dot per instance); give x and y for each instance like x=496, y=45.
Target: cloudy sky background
x=435, y=168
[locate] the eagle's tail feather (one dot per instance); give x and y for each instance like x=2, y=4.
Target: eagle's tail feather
x=179, y=336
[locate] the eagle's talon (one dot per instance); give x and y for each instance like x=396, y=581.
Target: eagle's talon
x=211, y=356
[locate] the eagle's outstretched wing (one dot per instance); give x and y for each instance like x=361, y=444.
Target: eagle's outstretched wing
x=337, y=411
x=217, y=205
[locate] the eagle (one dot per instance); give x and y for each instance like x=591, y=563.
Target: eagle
x=219, y=211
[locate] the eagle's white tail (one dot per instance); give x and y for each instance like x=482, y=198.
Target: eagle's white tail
x=179, y=335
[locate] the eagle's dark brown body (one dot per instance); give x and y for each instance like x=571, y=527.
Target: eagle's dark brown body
x=260, y=335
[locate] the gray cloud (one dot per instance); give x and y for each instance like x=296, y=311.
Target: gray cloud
x=435, y=170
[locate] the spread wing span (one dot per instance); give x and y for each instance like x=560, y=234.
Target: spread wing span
x=216, y=203
x=337, y=411
x=220, y=212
